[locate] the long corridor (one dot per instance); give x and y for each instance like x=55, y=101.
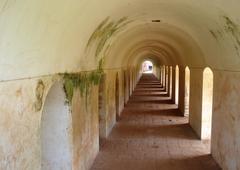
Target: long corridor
x=152, y=135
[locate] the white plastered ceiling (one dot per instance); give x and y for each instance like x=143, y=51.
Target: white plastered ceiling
x=47, y=37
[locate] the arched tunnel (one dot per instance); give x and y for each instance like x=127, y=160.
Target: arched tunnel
x=74, y=93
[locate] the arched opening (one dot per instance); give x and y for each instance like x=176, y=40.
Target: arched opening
x=176, y=85
x=207, y=98
x=56, y=125
x=147, y=67
x=101, y=109
x=117, y=97
x=187, y=91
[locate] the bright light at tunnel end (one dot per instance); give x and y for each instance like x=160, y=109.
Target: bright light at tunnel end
x=147, y=67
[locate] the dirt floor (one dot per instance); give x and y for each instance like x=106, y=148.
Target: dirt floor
x=151, y=135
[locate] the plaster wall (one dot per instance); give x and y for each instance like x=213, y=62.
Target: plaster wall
x=133, y=78
x=121, y=91
x=161, y=73
x=167, y=78
x=136, y=77
x=48, y=37
x=20, y=123
x=181, y=90
x=226, y=119
x=85, y=128
x=195, y=105
x=156, y=71
x=102, y=108
x=129, y=82
x=170, y=81
x=173, y=84
x=164, y=76
x=58, y=32
x=139, y=74
x=126, y=89
x=110, y=117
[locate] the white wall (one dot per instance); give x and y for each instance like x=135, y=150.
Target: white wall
x=56, y=142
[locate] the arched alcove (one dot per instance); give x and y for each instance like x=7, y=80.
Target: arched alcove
x=207, y=99
x=187, y=91
x=117, y=97
x=176, y=84
x=56, y=128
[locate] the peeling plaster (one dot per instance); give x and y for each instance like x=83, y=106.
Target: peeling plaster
x=39, y=95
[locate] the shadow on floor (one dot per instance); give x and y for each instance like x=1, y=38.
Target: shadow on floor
x=202, y=162
x=153, y=135
x=159, y=101
x=150, y=90
x=149, y=95
x=173, y=132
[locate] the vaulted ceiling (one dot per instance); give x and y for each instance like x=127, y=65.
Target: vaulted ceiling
x=46, y=37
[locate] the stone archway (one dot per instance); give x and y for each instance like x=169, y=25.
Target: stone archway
x=56, y=125
x=207, y=101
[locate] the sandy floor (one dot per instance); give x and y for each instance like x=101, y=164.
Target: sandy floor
x=151, y=135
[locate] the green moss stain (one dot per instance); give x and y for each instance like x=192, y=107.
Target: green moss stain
x=69, y=86
x=104, y=32
x=217, y=34
x=82, y=81
x=97, y=32
x=233, y=28
x=229, y=28
x=213, y=34
x=39, y=95
x=230, y=25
